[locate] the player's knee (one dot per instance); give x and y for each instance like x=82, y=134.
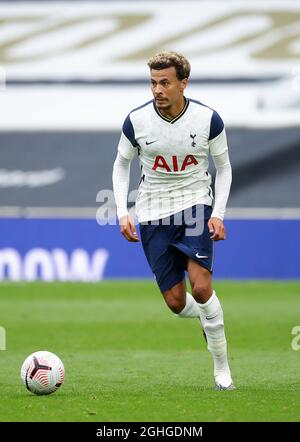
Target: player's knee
x=201, y=289
x=175, y=304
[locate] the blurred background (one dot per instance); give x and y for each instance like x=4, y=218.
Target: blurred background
x=70, y=72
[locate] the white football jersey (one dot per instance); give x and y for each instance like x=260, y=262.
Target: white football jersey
x=173, y=156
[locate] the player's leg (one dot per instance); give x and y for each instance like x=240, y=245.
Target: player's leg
x=211, y=315
x=168, y=267
x=180, y=301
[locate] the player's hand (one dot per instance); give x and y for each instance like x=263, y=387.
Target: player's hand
x=216, y=229
x=128, y=229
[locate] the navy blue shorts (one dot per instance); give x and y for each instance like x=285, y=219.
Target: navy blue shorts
x=169, y=242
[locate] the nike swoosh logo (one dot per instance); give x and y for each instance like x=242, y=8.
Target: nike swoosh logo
x=210, y=318
x=150, y=142
x=200, y=256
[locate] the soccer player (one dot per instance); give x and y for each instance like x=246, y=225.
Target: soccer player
x=178, y=216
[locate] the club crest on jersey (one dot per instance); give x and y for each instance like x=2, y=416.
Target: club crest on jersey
x=174, y=165
x=193, y=138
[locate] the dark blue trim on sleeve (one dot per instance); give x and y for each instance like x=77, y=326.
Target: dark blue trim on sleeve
x=128, y=131
x=216, y=125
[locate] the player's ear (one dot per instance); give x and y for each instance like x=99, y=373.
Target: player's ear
x=184, y=83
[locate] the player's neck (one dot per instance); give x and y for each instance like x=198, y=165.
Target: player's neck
x=174, y=110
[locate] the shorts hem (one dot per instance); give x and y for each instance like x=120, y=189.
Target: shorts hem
x=189, y=255
x=167, y=286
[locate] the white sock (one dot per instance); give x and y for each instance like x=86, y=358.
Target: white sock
x=211, y=315
x=191, y=308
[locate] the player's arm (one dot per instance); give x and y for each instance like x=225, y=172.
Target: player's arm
x=121, y=172
x=222, y=189
x=219, y=151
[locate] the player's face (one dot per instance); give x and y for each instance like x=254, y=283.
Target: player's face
x=166, y=88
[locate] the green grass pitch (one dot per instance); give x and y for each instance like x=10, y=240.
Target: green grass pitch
x=128, y=358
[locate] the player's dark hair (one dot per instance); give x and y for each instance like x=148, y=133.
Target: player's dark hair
x=165, y=60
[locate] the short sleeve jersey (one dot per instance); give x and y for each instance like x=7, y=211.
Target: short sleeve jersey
x=173, y=155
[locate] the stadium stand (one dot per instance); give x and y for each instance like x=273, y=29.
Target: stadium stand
x=71, y=73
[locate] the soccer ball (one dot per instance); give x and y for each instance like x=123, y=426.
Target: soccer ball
x=42, y=372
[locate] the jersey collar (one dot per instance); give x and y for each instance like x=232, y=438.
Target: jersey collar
x=172, y=120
